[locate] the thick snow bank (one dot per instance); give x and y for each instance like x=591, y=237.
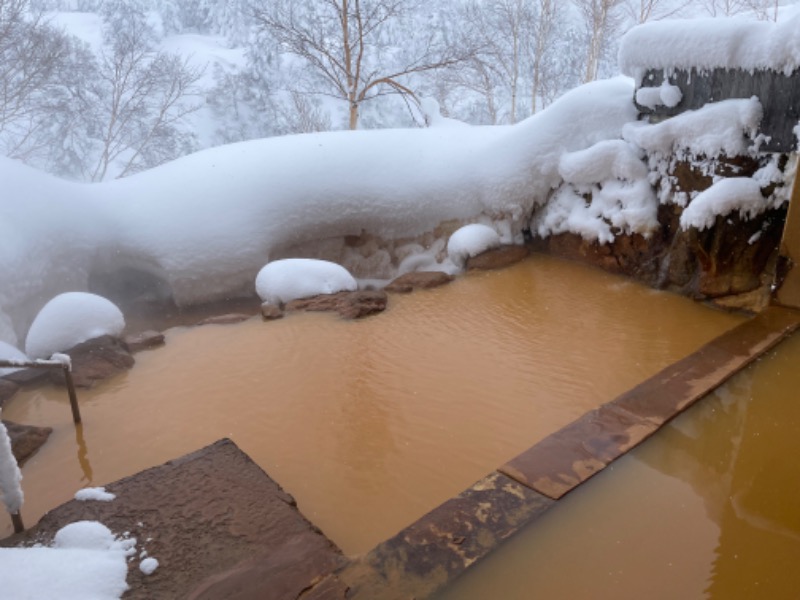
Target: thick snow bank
x=741, y=194
x=284, y=280
x=205, y=224
x=712, y=43
x=605, y=191
x=469, y=241
x=69, y=319
x=86, y=561
x=728, y=127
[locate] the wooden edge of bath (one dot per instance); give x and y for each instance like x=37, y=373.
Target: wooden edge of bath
x=440, y=546
x=570, y=456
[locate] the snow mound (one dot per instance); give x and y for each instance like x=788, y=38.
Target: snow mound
x=283, y=280
x=728, y=127
x=9, y=352
x=86, y=535
x=69, y=319
x=469, y=241
x=733, y=43
x=664, y=95
x=86, y=561
x=148, y=565
x=741, y=194
x=96, y=493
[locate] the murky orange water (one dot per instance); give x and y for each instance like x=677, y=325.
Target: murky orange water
x=708, y=508
x=370, y=424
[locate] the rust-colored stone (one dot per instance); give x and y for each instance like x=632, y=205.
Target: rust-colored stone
x=418, y=280
x=350, y=305
x=440, y=546
x=144, y=340
x=26, y=439
x=218, y=525
x=497, y=258
x=270, y=312
x=95, y=360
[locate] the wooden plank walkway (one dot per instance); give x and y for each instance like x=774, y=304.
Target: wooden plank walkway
x=426, y=556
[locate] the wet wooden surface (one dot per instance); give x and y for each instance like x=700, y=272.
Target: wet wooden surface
x=440, y=546
x=583, y=448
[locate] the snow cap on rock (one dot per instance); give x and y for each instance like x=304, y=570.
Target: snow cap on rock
x=69, y=319
x=470, y=241
x=283, y=280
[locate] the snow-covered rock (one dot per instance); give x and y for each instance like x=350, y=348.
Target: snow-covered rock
x=469, y=241
x=69, y=319
x=613, y=177
x=728, y=127
x=734, y=194
x=87, y=535
x=284, y=280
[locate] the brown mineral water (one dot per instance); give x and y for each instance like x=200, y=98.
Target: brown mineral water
x=708, y=508
x=371, y=423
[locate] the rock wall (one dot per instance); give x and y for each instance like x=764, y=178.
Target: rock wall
x=732, y=264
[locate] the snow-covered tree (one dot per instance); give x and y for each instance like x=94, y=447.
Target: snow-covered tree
x=602, y=20
x=140, y=100
x=40, y=71
x=351, y=50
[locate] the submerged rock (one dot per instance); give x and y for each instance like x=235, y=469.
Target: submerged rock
x=497, y=258
x=229, y=319
x=144, y=340
x=350, y=305
x=95, y=360
x=26, y=439
x=418, y=280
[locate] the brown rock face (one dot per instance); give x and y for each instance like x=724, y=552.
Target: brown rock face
x=144, y=340
x=350, y=305
x=7, y=390
x=217, y=524
x=497, y=258
x=95, y=360
x=731, y=259
x=26, y=439
x=418, y=280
